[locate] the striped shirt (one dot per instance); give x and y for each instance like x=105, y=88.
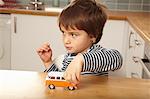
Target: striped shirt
x=97, y=61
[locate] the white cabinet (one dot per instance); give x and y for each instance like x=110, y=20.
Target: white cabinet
x=5, y=41
x=115, y=37
x=28, y=33
x=135, y=52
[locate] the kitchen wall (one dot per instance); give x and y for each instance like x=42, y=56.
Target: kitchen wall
x=54, y=3
x=127, y=5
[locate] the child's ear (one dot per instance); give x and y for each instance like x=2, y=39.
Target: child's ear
x=93, y=39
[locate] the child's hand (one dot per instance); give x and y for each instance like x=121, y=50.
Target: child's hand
x=45, y=54
x=72, y=73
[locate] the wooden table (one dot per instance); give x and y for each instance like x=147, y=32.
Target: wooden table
x=31, y=85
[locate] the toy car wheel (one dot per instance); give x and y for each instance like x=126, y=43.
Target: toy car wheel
x=71, y=88
x=51, y=86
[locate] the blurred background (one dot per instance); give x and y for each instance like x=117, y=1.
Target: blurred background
x=122, y=5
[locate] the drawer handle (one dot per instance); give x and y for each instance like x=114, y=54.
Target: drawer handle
x=135, y=59
x=137, y=42
x=135, y=75
x=131, y=33
x=15, y=25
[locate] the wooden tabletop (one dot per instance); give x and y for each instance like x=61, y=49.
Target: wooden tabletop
x=31, y=85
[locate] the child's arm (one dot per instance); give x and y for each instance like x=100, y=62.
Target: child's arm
x=102, y=60
x=74, y=69
x=45, y=54
x=98, y=61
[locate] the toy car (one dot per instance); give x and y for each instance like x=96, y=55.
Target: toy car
x=56, y=79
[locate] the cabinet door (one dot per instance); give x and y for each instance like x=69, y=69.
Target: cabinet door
x=29, y=33
x=114, y=37
x=4, y=41
x=140, y=45
x=130, y=64
x=139, y=50
x=134, y=53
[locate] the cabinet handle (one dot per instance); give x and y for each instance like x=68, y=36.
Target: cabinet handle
x=134, y=75
x=15, y=25
x=135, y=59
x=137, y=42
x=131, y=33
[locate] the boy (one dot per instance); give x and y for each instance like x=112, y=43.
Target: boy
x=81, y=23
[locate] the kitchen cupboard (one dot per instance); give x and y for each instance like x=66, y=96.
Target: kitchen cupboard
x=29, y=33
x=115, y=37
x=135, y=51
x=5, y=41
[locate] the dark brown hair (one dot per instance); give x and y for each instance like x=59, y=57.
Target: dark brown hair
x=84, y=15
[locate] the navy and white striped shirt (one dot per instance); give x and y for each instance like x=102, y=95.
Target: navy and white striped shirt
x=97, y=61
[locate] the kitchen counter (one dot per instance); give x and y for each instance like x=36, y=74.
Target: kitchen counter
x=31, y=85
x=140, y=21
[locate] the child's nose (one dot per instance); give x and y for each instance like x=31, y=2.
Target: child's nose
x=66, y=40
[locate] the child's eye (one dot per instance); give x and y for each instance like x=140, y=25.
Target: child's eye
x=74, y=35
x=63, y=33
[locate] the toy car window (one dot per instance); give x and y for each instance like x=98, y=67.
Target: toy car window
x=52, y=77
x=57, y=77
x=63, y=78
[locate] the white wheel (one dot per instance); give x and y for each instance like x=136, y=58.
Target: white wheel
x=51, y=86
x=71, y=88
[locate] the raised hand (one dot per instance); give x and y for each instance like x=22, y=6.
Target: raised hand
x=45, y=54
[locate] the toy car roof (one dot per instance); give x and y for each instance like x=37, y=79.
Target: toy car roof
x=55, y=74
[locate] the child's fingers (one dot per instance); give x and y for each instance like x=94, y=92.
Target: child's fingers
x=78, y=76
x=46, y=47
x=46, y=44
x=71, y=78
x=75, y=79
x=39, y=50
x=67, y=77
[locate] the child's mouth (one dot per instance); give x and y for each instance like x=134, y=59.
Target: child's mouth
x=68, y=48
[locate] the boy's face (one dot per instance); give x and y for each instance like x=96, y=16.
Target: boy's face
x=76, y=41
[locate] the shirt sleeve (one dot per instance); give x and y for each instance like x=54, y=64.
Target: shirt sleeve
x=57, y=64
x=52, y=68
x=102, y=60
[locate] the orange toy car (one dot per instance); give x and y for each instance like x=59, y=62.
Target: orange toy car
x=56, y=79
